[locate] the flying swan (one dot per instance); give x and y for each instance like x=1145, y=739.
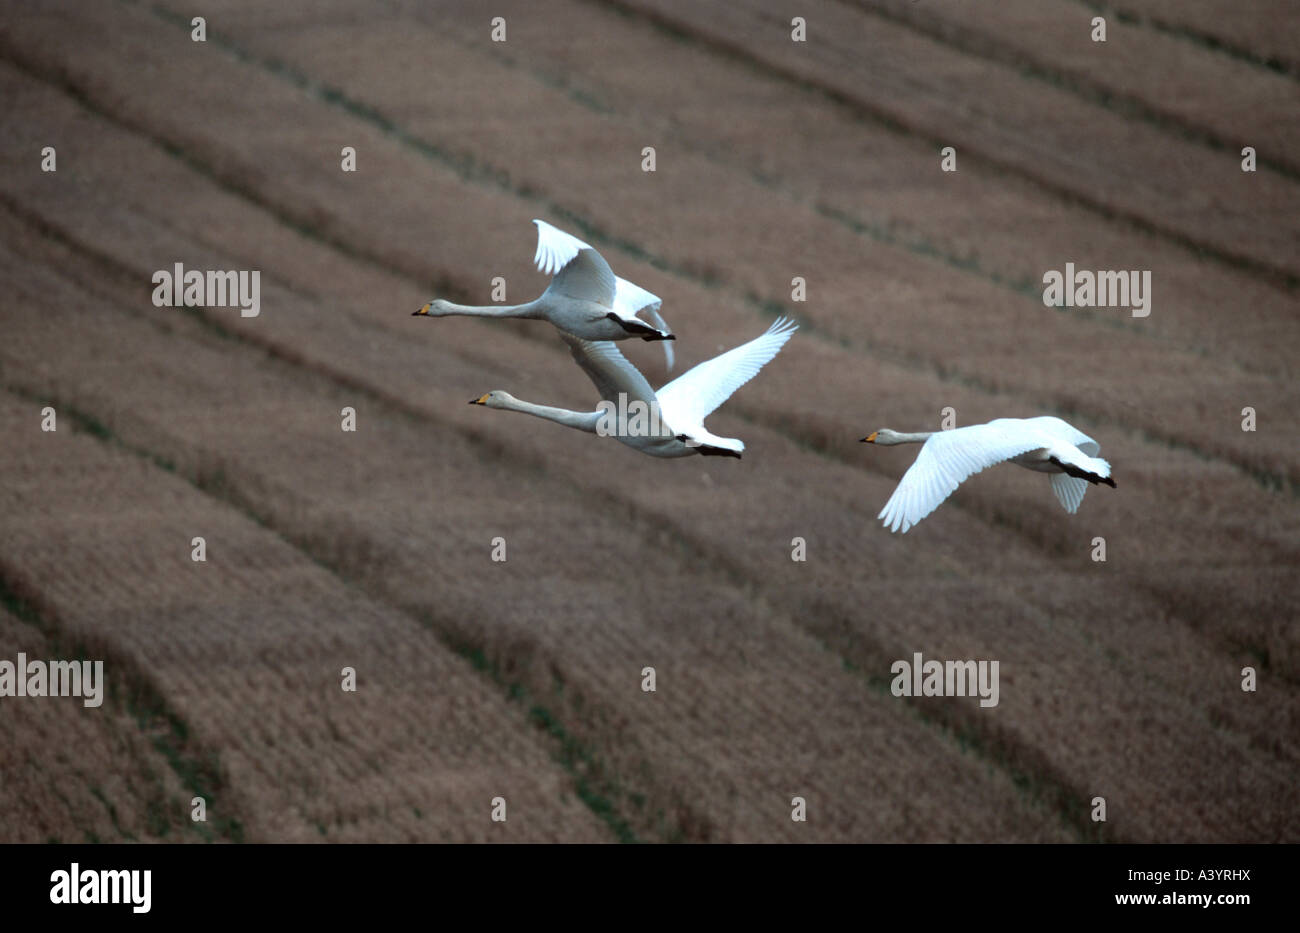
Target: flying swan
x=584, y=299
x=681, y=406
x=1046, y=444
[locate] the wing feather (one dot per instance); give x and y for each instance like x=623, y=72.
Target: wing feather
x=948, y=458
x=578, y=270
x=1064, y=431
x=697, y=393
x=555, y=248
x=630, y=298
x=609, y=369
x=1069, y=490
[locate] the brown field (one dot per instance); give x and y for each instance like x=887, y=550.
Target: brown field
x=522, y=679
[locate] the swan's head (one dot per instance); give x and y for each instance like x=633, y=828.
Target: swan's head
x=435, y=308
x=884, y=437
x=494, y=399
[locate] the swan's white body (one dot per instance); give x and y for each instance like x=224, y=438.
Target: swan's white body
x=683, y=404
x=584, y=299
x=1045, y=444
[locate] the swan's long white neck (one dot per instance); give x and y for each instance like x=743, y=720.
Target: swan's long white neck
x=583, y=421
x=900, y=437
x=528, y=309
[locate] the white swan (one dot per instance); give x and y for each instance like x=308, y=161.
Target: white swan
x=1046, y=444
x=584, y=299
x=677, y=430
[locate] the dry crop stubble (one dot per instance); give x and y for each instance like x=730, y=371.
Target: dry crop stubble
x=769, y=669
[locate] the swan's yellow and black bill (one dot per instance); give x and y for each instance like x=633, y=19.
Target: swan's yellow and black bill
x=481, y=400
x=424, y=310
x=870, y=438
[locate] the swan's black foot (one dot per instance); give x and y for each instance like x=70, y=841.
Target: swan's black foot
x=1079, y=473
x=708, y=450
x=639, y=328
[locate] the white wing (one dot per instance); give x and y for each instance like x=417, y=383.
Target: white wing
x=609, y=369
x=1069, y=489
x=578, y=270
x=949, y=457
x=694, y=395
x=1063, y=430
x=630, y=299
x=555, y=248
